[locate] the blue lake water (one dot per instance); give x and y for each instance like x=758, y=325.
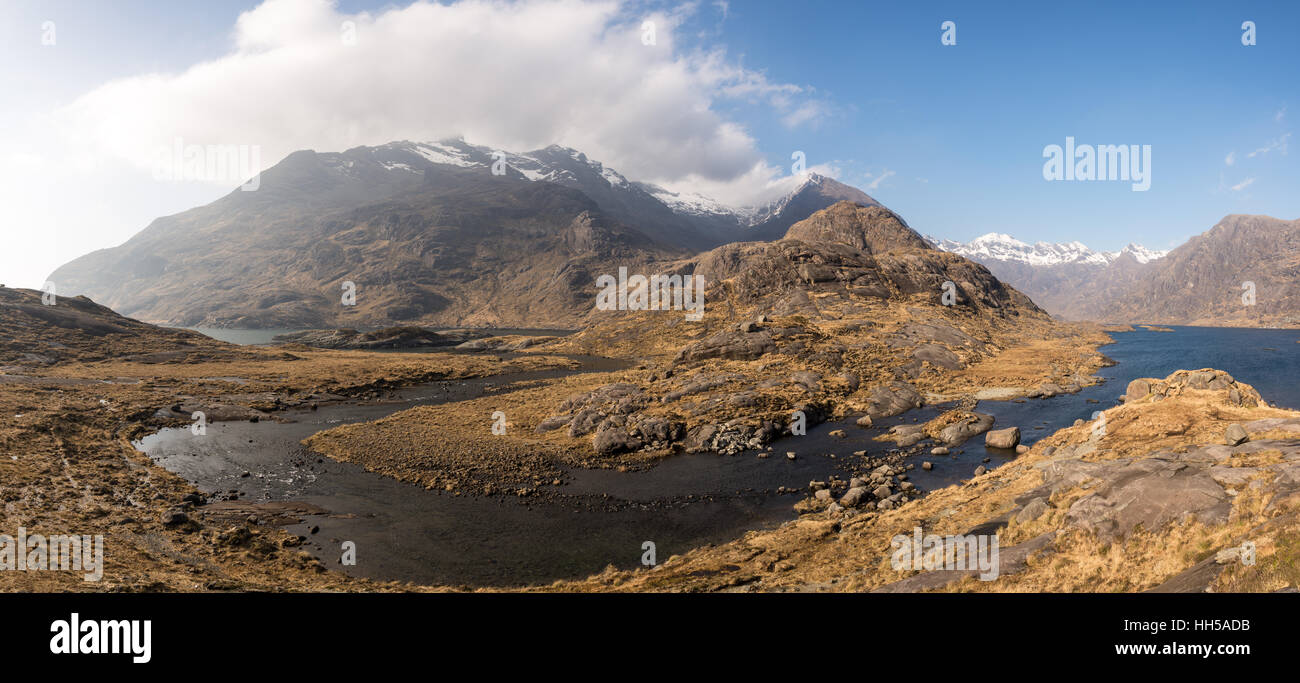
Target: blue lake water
x=242, y=337
x=1269, y=360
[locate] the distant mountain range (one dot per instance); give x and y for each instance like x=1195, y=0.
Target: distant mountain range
x=996, y=246
x=1052, y=275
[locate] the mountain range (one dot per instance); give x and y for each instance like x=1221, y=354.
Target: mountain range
x=452, y=234
x=437, y=233
x=1052, y=275
x=686, y=220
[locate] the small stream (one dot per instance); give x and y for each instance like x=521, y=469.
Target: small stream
x=405, y=532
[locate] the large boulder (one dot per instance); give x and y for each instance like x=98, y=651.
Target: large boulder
x=1176, y=384
x=855, y=497
x=907, y=435
x=1149, y=492
x=1003, y=438
x=1138, y=388
x=938, y=355
x=967, y=426
x=611, y=439
x=892, y=399
x=730, y=344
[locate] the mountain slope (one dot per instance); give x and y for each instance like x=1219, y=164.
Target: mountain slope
x=848, y=252
x=687, y=221
x=850, y=269
x=616, y=196
x=37, y=334
x=1201, y=282
x=442, y=233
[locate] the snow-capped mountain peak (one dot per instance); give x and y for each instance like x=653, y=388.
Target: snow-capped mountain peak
x=1140, y=253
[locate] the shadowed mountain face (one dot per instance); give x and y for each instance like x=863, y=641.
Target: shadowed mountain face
x=450, y=246
x=815, y=194
x=446, y=234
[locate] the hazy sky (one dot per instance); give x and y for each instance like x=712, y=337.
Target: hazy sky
x=950, y=136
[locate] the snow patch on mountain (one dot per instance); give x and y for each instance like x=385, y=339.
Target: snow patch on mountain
x=690, y=203
x=696, y=204
x=1140, y=253
x=614, y=178
x=439, y=153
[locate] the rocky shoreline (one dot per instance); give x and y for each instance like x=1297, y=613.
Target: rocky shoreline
x=1168, y=491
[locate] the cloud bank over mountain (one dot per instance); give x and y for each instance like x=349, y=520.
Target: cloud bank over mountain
x=300, y=74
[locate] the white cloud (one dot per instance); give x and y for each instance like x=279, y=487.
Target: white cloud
x=1243, y=185
x=878, y=180
x=515, y=75
x=809, y=112
x=1230, y=159
x=760, y=185
x=1281, y=114
x=511, y=75
x=1279, y=144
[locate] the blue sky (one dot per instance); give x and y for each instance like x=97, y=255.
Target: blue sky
x=972, y=119
x=951, y=137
